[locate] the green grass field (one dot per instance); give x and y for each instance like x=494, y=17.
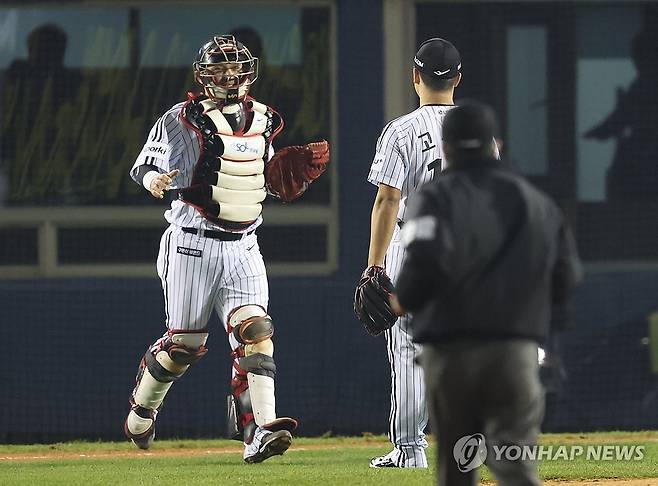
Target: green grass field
x=321, y=461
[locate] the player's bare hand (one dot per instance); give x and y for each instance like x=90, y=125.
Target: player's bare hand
x=162, y=183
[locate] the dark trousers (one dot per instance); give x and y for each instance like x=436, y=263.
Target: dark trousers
x=488, y=388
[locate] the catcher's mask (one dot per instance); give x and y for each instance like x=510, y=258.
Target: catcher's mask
x=225, y=68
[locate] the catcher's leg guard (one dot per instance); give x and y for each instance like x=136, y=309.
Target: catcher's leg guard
x=253, y=383
x=241, y=424
x=162, y=364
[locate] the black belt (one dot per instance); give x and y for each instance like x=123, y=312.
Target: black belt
x=216, y=235
x=400, y=224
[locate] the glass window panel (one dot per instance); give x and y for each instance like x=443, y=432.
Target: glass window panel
x=527, y=121
x=95, y=36
x=70, y=131
x=605, y=72
x=171, y=36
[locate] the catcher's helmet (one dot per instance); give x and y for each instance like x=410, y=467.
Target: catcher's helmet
x=225, y=68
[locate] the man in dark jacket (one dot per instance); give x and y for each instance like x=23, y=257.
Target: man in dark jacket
x=488, y=258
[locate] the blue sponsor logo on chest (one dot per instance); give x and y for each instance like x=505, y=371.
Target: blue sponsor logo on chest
x=189, y=251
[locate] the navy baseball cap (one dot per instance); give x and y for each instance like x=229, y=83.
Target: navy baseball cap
x=438, y=58
x=470, y=126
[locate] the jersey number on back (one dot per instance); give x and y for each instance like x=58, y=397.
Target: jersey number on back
x=435, y=168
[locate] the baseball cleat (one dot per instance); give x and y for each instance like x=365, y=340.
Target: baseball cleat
x=144, y=442
x=392, y=459
x=142, y=422
x=398, y=458
x=281, y=423
x=266, y=444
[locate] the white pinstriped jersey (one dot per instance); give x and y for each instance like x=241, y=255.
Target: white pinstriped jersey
x=409, y=152
x=173, y=145
x=408, y=155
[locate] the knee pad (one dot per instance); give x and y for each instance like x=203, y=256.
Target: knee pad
x=251, y=324
x=165, y=362
x=175, y=354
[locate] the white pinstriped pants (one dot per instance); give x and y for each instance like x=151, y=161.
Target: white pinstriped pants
x=200, y=274
x=409, y=415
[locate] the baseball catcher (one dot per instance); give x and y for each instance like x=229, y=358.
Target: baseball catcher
x=372, y=303
x=218, y=145
x=238, y=167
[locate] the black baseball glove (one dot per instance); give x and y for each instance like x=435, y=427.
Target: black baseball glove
x=372, y=301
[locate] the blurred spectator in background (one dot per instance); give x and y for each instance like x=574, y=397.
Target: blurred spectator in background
x=634, y=124
x=250, y=37
x=34, y=91
x=266, y=86
x=46, y=47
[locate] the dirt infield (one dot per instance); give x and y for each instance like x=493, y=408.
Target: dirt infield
x=66, y=456
x=57, y=455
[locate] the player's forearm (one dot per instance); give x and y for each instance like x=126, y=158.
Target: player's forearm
x=382, y=225
x=139, y=173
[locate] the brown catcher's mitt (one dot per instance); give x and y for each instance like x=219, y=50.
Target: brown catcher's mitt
x=372, y=301
x=292, y=169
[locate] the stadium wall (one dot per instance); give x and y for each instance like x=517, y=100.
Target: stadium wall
x=74, y=345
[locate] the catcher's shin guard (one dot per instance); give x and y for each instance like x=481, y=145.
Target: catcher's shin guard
x=241, y=424
x=253, y=383
x=163, y=363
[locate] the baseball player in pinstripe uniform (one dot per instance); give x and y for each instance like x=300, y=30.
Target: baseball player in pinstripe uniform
x=408, y=154
x=217, y=147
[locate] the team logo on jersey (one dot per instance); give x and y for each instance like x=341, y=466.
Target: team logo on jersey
x=243, y=147
x=193, y=252
x=379, y=160
x=157, y=150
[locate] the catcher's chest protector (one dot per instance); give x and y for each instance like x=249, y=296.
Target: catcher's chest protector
x=228, y=184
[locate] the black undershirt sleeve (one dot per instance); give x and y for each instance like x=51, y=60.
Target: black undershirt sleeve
x=142, y=170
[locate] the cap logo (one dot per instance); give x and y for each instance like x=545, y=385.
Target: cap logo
x=418, y=61
x=459, y=66
x=441, y=73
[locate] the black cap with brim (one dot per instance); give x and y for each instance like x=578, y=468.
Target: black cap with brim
x=470, y=126
x=438, y=58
